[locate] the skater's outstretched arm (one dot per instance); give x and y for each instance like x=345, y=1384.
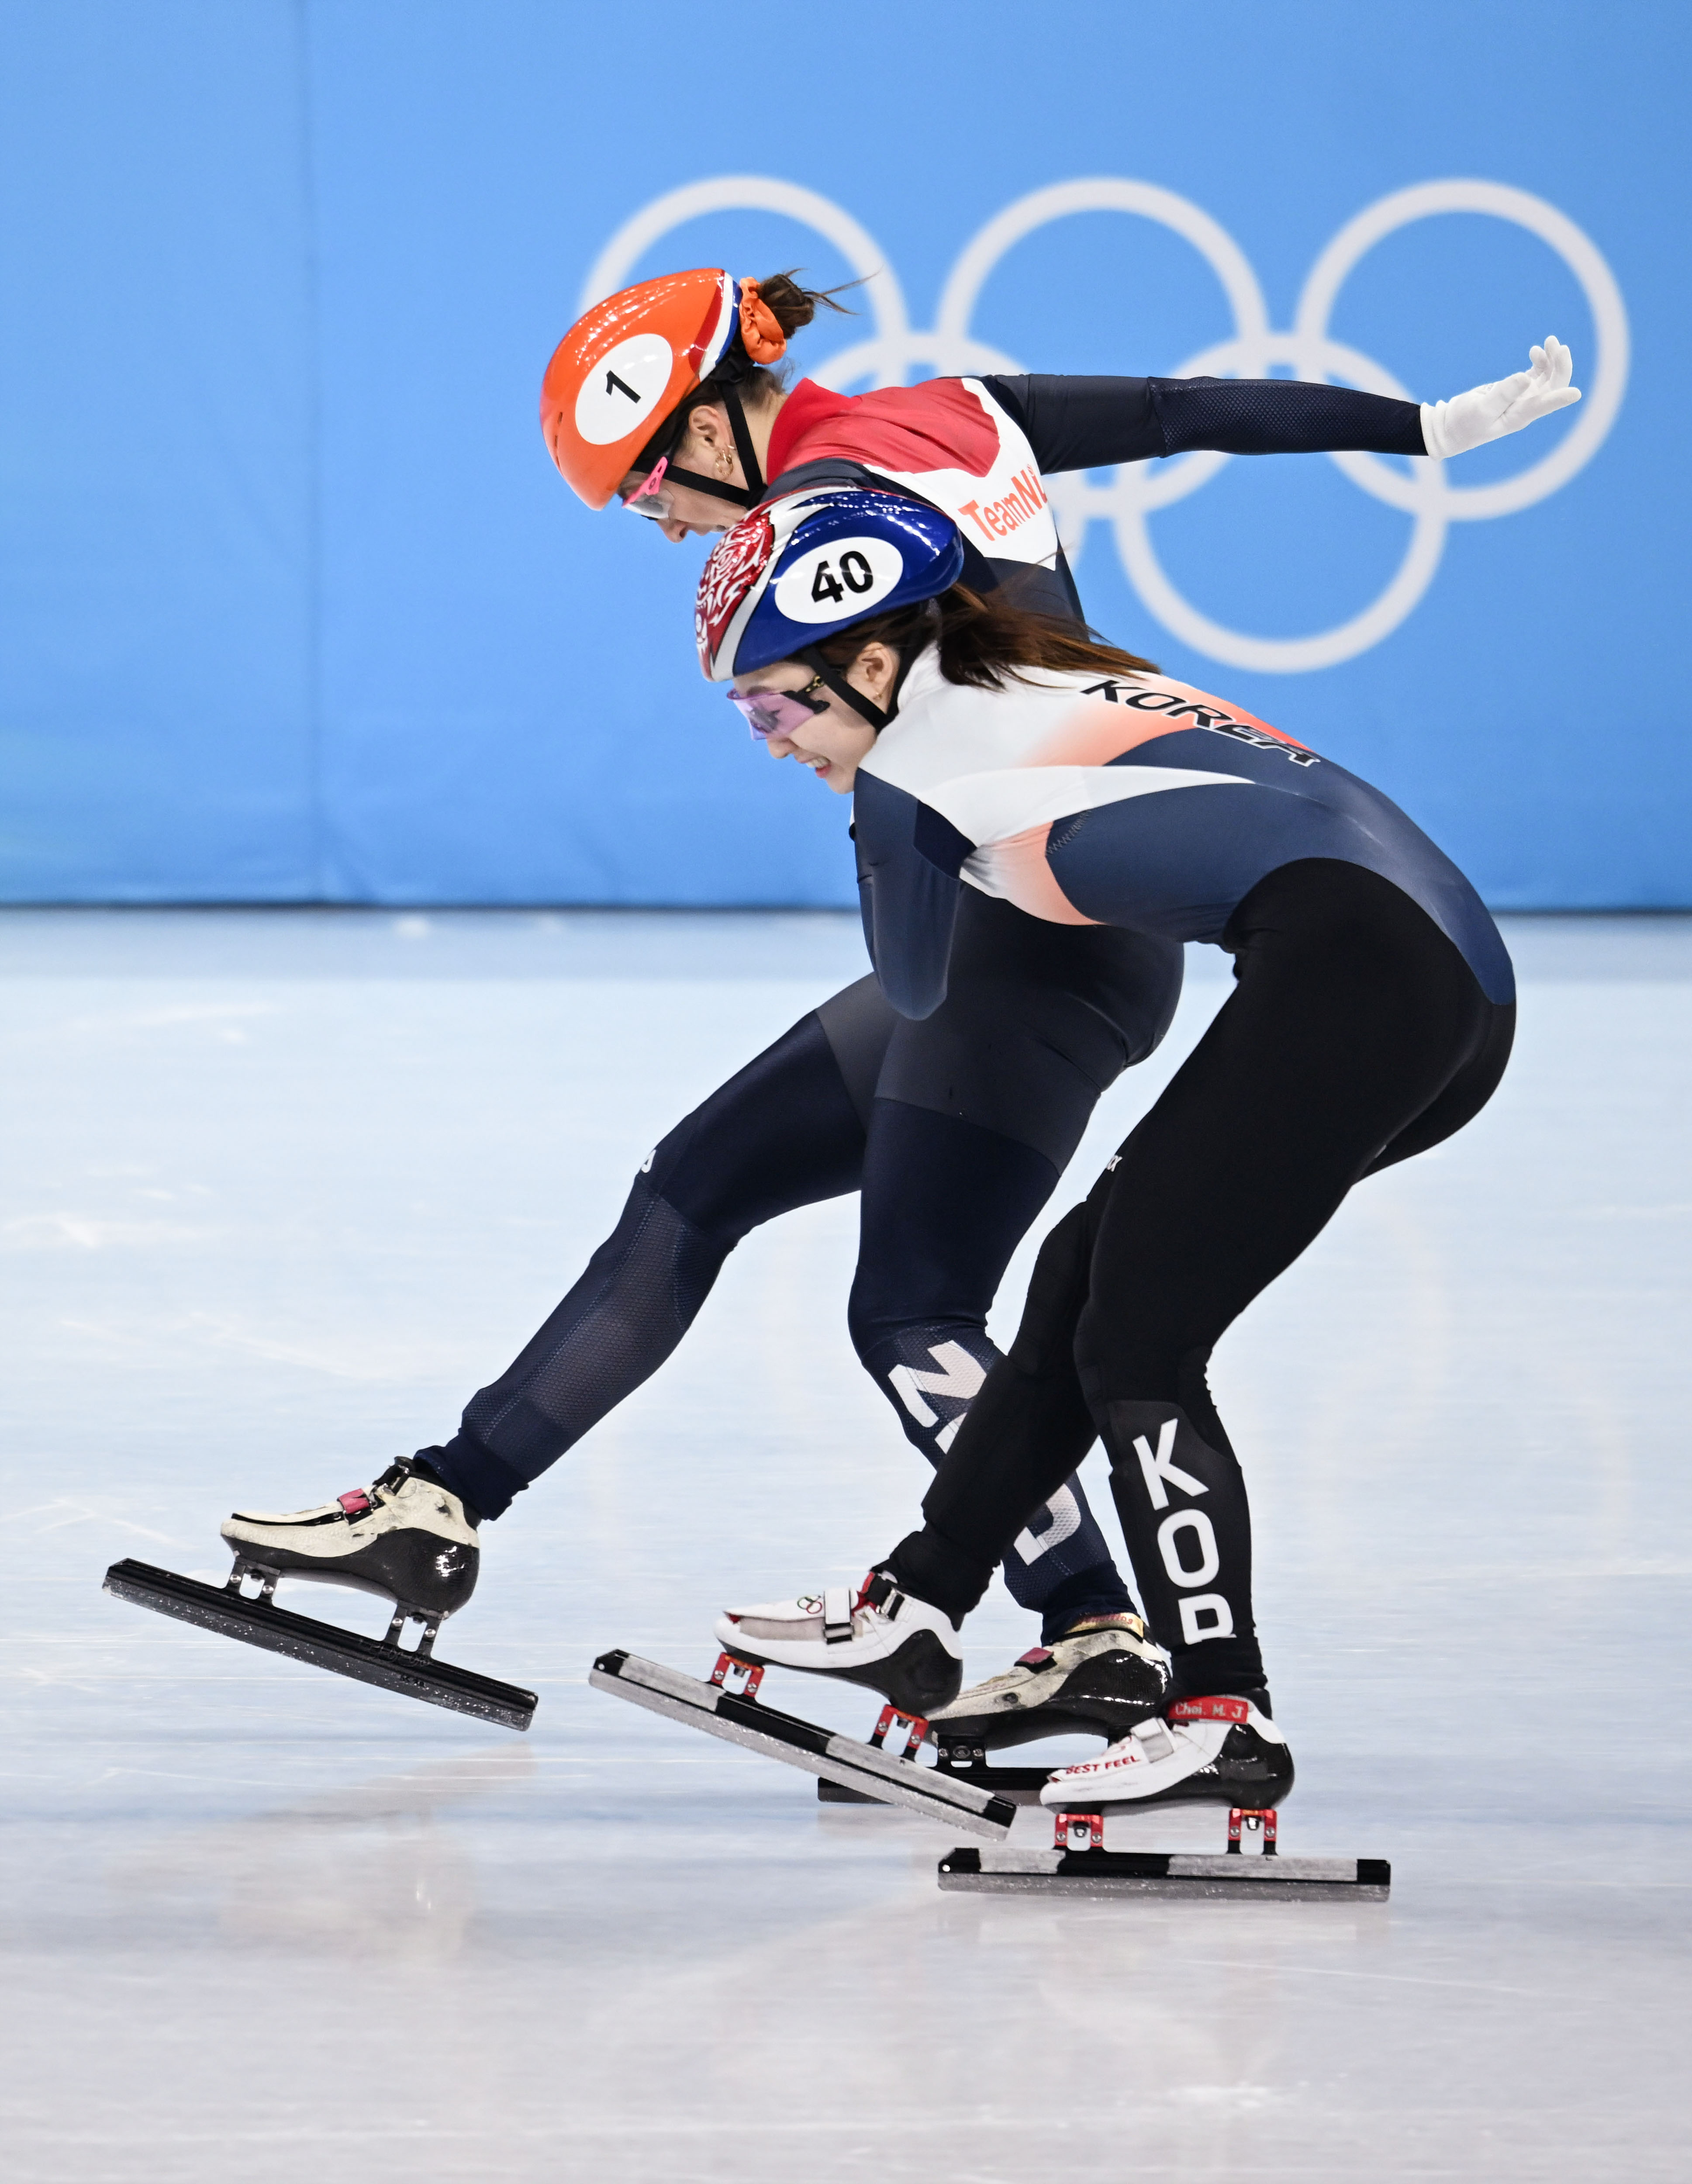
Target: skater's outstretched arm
x=1078, y=423
x=1075, y=422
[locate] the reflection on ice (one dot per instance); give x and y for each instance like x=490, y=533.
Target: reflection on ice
x=361, y=1872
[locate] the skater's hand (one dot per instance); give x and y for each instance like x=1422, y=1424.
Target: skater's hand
x=1503, y=405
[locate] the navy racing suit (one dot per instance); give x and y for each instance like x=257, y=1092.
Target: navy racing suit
x=1371, y=1017
x=953, y=1129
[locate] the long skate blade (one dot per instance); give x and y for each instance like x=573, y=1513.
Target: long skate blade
x=1018, y=1785
x=346, y=1653
x=799, y=1743
x=1239, y=1880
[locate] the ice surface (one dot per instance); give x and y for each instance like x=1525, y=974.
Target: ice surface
x=282, y=1189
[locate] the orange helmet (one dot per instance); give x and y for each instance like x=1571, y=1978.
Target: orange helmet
x=631, y=362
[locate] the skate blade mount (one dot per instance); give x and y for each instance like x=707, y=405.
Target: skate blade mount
x=741, y=1718
x=256, y=1621
x=1079, y=1864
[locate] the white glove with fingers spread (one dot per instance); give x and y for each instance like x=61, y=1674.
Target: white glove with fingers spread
x=1503, y=405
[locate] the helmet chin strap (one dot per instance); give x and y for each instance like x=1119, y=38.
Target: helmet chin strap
x=746, y=496
x=834, y=679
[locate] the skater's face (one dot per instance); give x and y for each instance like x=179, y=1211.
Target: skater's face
x=832, y=741
x=707, y=447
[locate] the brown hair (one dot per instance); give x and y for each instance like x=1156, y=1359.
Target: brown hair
x=756, y=384
x=792, y=308
x=795, y=307
x=985, y=643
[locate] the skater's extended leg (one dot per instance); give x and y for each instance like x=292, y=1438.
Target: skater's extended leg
x=1356, y=1036
x=785, y=1131
x=1353, y=1019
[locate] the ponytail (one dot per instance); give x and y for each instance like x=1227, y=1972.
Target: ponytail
x=795, y=307
x=792, y=307
x=984, y=643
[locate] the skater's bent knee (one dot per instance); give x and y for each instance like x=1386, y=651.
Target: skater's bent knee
x=1057, y=1290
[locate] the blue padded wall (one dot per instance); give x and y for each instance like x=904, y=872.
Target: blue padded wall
x=292, y=605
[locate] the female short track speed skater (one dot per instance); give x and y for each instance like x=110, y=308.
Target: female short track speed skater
x=1372, y=1018
x=953, y=1128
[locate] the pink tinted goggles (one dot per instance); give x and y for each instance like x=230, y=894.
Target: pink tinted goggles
x=651, y=497
x=778, y=712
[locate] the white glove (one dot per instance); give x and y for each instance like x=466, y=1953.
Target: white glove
x=1505, y=406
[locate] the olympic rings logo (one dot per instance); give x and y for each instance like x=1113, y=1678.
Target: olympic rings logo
x=1139, y=490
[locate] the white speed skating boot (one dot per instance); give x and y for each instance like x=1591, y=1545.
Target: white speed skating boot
x=409, y=1538
x=1197, y=1752
x=876, y=1636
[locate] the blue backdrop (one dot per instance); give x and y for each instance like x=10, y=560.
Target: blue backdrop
x=294, y=605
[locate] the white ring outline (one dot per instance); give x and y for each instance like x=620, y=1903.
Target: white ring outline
x=1611, y=365
x=1137, y=490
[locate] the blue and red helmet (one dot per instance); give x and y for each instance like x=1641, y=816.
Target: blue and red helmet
x=810, y=564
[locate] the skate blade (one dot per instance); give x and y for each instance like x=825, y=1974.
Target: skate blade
x=1179, y=1876
x=345, y=1653
x=1017, y=1786
x=801, y=1744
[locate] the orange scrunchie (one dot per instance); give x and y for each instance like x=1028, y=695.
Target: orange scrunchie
x=760, y=330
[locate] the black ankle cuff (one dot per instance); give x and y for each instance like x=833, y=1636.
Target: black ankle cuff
x=930, y=1568
x=486, y=1486
x=1222, y=1668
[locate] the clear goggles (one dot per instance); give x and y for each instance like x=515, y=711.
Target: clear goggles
x=780, y=712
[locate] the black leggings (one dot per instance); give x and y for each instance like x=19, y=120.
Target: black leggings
x=1356, y=1036
x=954, y=1130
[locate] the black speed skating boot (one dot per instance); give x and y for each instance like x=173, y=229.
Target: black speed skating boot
x=409, y=1538
x=1096, y=1682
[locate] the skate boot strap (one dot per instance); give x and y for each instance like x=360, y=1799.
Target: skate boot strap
x=879, y=1591
x=356, y=1504
x=1234, y=1710
x=836, y=1615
